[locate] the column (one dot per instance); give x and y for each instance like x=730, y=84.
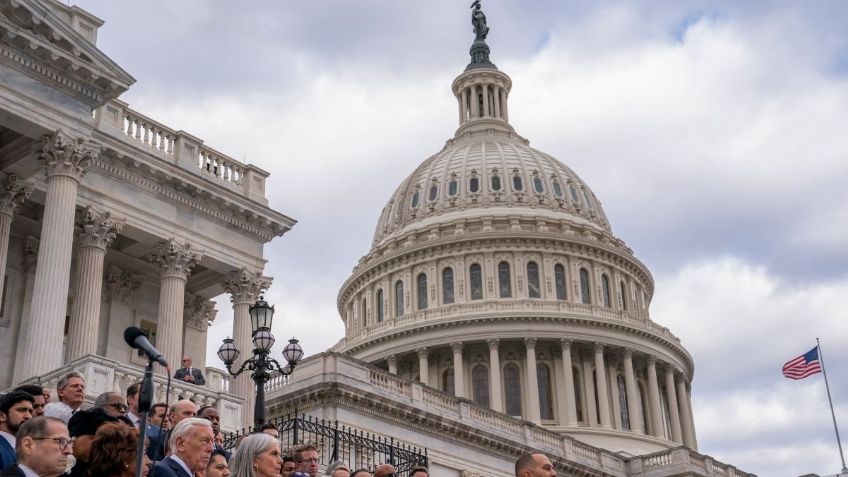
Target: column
x=495, y=386
x=423, y=365
x=532, y=383
x=65, y=159
x=30, y=251
x=475, y=104
x=685, y=414
x=176, y=262
x=632, y=393
x=392, y=362
x=458, y=374
x=589, y=385
x=95, y=231
x=612, y=383
x=13, y=193
x=497, y=93
x=462, y=101
x=504, y=109
x=245, y=288
x=568, y=372
x=486, y=100
x=654, y=398
x=671, y=401
x=601, y=378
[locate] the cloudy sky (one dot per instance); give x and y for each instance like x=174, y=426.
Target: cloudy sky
x=715, y=133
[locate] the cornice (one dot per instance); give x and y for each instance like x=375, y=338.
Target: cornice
x=215, y=207
x=368, y=338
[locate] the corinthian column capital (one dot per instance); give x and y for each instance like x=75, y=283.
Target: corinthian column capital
x=245, y=286
x=174, y=259
x=199, y=312
x=13, y=193
x=63, y=155
x=96, y=228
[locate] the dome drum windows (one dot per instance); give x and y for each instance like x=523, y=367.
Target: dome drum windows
x=533, y=288
x=559, y=281
x=421, y=290
x=447, y=286
x=605, y=290
x=475, y=281
x=474, y=183
x=399, y=298
x=504, y=280
x=585, y=296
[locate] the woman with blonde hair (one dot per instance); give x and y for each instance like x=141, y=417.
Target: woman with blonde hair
x=258, y=455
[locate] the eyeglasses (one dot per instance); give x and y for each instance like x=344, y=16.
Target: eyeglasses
x=118, y=405
x=62, y=441
x=312, y=460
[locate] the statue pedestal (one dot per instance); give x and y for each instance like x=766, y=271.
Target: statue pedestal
x=480, y=56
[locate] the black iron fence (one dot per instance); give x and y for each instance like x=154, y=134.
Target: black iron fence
x=354, y=447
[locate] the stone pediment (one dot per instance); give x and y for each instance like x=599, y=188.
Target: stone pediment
x=36, y=41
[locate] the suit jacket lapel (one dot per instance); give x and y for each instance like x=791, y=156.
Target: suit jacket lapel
x=177, y=468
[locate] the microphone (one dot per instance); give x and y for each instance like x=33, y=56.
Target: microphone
x=138, y=340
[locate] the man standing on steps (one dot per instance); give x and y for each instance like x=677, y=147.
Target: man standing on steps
x=71, y=390
x=189, y=374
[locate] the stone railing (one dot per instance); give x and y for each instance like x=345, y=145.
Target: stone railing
x=512, y=306
x=116, y=119
x=333, y=369
x=681, y=461
x=104, y=374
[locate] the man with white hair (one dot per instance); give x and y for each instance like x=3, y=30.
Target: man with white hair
x=191, y=443
x=71, y=390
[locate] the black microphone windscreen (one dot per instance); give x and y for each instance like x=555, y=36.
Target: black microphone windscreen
x=131, y=333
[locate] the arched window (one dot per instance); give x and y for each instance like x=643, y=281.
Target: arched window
x=421, y=289
x=512, y=389
x=578, y=396
x=452, y=187
x=557, y=188
x=584, y=286
x=399, y=298
x=364, y=313
x=447, y=286
x=496, y=182
x=622, y=402
x=480, y=385
x=533, y=290
x=517, y=183
x=504, y=280
x=447, y=381
x=605, y=288
x=434, y=192
x=380, y=305
x=573, y=194
x=546, y=395
x=559, y=281
x=537, y=185
x=474, y=185
x=588, y=200
x=415, y=198
x=475, y=279
x=623, y=295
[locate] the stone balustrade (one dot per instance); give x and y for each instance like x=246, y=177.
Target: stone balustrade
x=333, y=369
x=149, y=136
x=518, y=306
x=104, y=374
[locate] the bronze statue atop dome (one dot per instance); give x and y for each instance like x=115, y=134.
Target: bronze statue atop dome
x=478, y=19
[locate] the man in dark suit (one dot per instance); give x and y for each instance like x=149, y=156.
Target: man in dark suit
x=43, y=448
x=189, y=374
x=191, y=443
x=15, y=409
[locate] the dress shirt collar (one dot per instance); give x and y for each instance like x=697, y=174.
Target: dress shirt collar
x=182, y=464
x=9, y=438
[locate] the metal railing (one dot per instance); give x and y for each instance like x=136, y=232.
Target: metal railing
x=335, y=442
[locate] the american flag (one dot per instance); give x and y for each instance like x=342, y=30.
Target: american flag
x=804, y=365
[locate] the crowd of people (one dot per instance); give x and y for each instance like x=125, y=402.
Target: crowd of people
x=40, y=438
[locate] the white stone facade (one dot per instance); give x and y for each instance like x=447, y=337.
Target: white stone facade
x=109, y=219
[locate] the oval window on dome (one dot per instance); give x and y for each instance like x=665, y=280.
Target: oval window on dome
x=588, y=200
x=517, y=183
x=474, y=185
x=452, y=187
x=537, y=185
x=573, y=193
x=557, y=189
x=496, y=183
x=415, y=198
x=434, y=192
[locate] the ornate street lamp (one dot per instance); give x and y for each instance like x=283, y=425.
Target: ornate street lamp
x=261, y=316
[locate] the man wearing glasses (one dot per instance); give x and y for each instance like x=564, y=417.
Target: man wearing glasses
x=43, y=447
x=306, y=457
x=112, y=404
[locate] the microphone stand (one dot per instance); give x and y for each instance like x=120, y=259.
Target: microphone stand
x=145, y=400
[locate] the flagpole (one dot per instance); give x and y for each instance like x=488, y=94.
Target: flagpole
x=830, y=401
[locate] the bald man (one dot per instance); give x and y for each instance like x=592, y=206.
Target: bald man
x=534, y=465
